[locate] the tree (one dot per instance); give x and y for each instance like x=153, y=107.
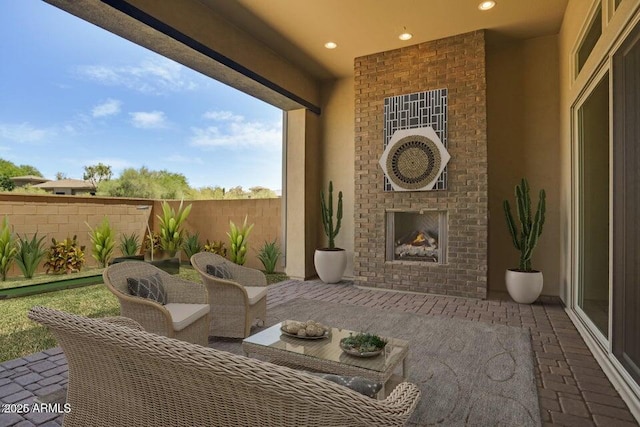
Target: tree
x=28, y=170
x=261, y=193
x=206, y=193
x=236, y=193
x=61, y=176
x=95, y=174
x=6, y=184
x=10, y=169
x=147, y=184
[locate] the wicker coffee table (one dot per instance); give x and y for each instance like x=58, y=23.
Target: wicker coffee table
x=325, y=355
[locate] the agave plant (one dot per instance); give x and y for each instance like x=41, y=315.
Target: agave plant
x=129, y=244
x=103, y=242
x=171, y=232
x=30, y=253
x=238, y=238
x=7, y=248
x=192, y=245
x=268, y=255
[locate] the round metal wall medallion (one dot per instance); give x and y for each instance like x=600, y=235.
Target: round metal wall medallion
x=413, y=162
x=414, y=159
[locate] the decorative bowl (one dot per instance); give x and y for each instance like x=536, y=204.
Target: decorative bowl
x=326, y=334
x=363, y=345
x=309, y=330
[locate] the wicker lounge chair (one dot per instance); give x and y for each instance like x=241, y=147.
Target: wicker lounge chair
x=120, y=376
x=186, y=314
x=236, y=302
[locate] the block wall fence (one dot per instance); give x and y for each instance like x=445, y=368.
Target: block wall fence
x=65, y=216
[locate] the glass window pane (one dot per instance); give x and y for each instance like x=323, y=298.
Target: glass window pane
x=590, y=39
x=593, y=275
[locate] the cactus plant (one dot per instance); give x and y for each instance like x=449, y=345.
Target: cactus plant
x=327, y=215
x=526, y=237
x=238, y=238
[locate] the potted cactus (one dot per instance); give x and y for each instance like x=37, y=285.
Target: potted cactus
x=330, y=262
x=523, y=283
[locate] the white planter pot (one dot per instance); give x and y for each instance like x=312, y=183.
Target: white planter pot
x=330, y=264
x=524, y=287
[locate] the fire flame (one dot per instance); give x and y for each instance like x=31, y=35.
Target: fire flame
x=420, y=239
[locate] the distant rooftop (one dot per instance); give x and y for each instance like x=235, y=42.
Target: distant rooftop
x=76, y=184
x=28, y=179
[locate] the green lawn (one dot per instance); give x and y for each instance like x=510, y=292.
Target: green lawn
x=19, y=336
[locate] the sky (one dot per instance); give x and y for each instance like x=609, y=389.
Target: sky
x=73, y=94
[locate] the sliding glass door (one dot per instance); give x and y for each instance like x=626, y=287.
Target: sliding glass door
x=593, y=203
x=626, y=205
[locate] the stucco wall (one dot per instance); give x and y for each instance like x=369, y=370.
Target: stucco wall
x=523, y=132
x=338, y=154
x=65, y=216
x=302, y=192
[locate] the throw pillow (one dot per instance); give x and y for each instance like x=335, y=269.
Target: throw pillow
x=222, y=271
x=361, y=385
x=148, y=287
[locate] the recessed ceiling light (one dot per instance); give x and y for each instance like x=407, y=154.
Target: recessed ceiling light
x=330, y=45
x=405, y=36
x=486, y=5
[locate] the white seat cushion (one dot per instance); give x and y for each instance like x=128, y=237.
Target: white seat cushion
x=255, y=293
x=182, y=315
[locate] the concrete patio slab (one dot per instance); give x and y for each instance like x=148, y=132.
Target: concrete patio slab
x=572, y=389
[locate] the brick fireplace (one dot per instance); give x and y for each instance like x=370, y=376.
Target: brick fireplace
x=457, y=266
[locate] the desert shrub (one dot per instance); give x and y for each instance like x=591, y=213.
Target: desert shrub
x=216, y=247
x=65, y=256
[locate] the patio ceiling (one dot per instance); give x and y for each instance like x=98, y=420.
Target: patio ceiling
x=298, y=30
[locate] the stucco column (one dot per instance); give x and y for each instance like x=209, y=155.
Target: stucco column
x=302, y=200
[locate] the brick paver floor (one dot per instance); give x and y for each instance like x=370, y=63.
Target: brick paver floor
x=572, y=389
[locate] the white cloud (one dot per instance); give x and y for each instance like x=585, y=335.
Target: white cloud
x=154, y=76
x=149, y=120
x=235, y=132
x=24, y=132
x=108, y=108
x=223, y=116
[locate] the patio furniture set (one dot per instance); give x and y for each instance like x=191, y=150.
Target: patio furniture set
x=154, y=366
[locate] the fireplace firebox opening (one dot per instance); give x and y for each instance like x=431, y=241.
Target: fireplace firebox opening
x=417, y=236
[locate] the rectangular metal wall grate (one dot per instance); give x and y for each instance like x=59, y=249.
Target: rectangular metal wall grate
x=416, y=110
